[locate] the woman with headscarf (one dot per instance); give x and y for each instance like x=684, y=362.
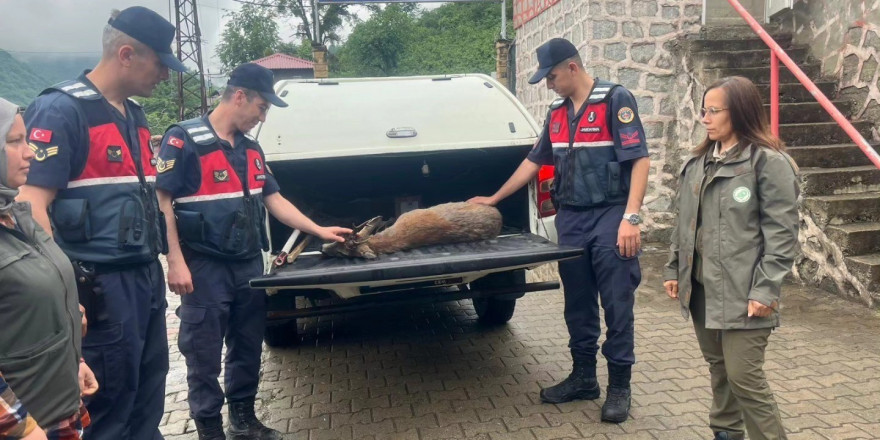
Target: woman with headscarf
x=40, y=344
x=735, y=239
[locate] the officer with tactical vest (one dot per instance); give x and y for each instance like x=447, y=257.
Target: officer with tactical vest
x=92, y=183
x=214, y=180
x=595, y=139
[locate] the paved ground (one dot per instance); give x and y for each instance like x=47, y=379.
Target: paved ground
x=431, y=372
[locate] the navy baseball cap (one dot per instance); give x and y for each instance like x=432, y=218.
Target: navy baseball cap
x=257, y=78
x=550, y=54
x=152, y=30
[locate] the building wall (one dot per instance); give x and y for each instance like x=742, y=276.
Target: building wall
x=845, y=36
x=635, y=43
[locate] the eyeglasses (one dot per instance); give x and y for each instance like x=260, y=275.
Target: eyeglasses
x=712, y=111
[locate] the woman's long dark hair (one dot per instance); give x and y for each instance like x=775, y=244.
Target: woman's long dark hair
x=747, y=116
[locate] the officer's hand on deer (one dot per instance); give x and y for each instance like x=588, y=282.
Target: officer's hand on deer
x=671, y=287
x=629, y=240
x=332, y=233
x=179, y=277
x=489, y=201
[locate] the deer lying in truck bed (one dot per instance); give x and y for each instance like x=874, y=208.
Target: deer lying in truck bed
x=442, y=224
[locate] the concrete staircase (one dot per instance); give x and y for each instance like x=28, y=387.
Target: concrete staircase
x=840, y=210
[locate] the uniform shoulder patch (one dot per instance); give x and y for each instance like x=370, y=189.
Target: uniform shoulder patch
x=557, y=103
x=175, y=142
x=43, y=153
x=41, y=135
x=163, y=166
x=626, y=115
x=77, y=89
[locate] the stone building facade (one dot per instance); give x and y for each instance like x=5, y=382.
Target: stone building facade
x=646, y=45
x=845, y=37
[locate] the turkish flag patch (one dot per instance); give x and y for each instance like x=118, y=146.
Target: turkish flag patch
x=175, y=142
x=41, y=135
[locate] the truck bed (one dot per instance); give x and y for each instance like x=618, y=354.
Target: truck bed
x=506, y=251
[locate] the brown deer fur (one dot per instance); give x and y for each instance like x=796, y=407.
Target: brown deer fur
x=442, y=224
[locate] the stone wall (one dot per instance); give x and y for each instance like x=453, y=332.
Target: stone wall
x=635, y=43
x=845, y=36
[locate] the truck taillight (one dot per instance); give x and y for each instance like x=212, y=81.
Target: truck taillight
x=545, y=182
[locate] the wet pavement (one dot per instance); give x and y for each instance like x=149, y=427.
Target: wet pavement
x=433, y=372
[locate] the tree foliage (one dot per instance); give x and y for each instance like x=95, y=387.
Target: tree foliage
x=403, y=40
x=18, y=82
x=331, y=17
x=251, y=33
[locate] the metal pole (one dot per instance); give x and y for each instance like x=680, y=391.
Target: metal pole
x=503, y=19
x=317, y=25
x=841, y=120
x=774, y=93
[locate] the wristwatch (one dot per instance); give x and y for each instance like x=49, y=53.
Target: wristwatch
x=633, y=218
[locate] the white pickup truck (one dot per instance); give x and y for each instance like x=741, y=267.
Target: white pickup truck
x=347, y=150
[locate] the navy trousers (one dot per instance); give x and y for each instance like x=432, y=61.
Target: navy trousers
x=601, y=273
x=128, y=352
x=221, y=307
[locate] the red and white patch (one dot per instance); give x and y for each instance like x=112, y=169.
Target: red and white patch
x=175, y=142
x=41, y=135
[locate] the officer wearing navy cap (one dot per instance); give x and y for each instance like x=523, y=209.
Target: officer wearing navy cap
x=214, y=181
x=92, y=183
x=594, y=138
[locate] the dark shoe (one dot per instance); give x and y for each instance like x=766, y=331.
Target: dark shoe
x=243, y=423
x=581, y=384
x=210, y=428
x=616, y=407
x=724, y=435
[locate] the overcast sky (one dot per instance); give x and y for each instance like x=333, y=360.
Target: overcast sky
x=65, y=26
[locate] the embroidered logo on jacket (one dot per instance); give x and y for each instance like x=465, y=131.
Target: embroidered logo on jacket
x=591, y=117
x=556, y=127
x=591, y=129
x=175, y=142
x=41, y=135
x=258, y=164
x=629, y=137
x=41, y=154
x=114, y=153
x=164, y=165
x=742, y=194
x=626, y=115
x=221, y=176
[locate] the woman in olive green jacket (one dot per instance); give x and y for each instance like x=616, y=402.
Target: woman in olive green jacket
x=735, y=240
x=40, y=343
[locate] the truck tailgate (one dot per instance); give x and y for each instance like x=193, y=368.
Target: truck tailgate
x=506, y=251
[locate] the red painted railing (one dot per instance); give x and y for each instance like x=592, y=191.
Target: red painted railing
x=776, y=54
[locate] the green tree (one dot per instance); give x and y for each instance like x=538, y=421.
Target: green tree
x=404, y=40
x=162, y=108
x=251, y=33
x=331, y=19
x=376, y=46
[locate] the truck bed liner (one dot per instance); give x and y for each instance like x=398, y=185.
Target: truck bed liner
x=504, y=251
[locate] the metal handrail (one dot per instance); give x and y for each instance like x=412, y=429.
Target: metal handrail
x=776, y=54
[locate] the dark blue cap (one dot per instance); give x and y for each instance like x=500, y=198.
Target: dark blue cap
x=152, y=30
x=550, y=54
x=257, y=78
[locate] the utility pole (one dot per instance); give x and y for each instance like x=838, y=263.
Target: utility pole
x=189, y=48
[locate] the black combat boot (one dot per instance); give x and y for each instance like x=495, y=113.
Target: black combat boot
x=725, y=435
x=581, y=384
x=618, y=396
x=210, y=428
x=243, y=423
